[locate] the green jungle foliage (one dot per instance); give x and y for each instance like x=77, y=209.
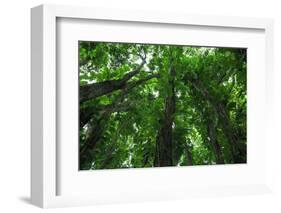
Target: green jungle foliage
x=144, y=105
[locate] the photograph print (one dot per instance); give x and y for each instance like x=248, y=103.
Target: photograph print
x=158, y=105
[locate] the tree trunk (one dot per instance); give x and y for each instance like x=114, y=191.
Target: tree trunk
x=220, y=109
x=229, y=131
x=163, y=155
x=214, y=142
x=94, y=135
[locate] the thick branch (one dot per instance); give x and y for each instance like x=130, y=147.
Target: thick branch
x=95, y=90
x=87, y=113
x=95, y=132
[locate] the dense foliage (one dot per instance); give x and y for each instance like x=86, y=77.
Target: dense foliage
x=161, y=105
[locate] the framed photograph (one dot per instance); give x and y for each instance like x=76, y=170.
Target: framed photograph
x=129, y=106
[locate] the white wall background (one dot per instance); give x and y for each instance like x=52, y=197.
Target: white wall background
x=15, y=105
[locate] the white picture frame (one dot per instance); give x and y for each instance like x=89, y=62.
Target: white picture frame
x=45, y=167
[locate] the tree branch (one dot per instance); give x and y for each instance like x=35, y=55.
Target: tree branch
x=131, y=74
x=96, y=131
x=95, y=90
x=87, y=113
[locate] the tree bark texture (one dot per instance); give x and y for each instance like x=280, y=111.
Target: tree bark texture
x=163, y=154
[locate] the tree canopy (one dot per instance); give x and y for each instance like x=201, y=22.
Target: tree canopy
x=146, y=105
